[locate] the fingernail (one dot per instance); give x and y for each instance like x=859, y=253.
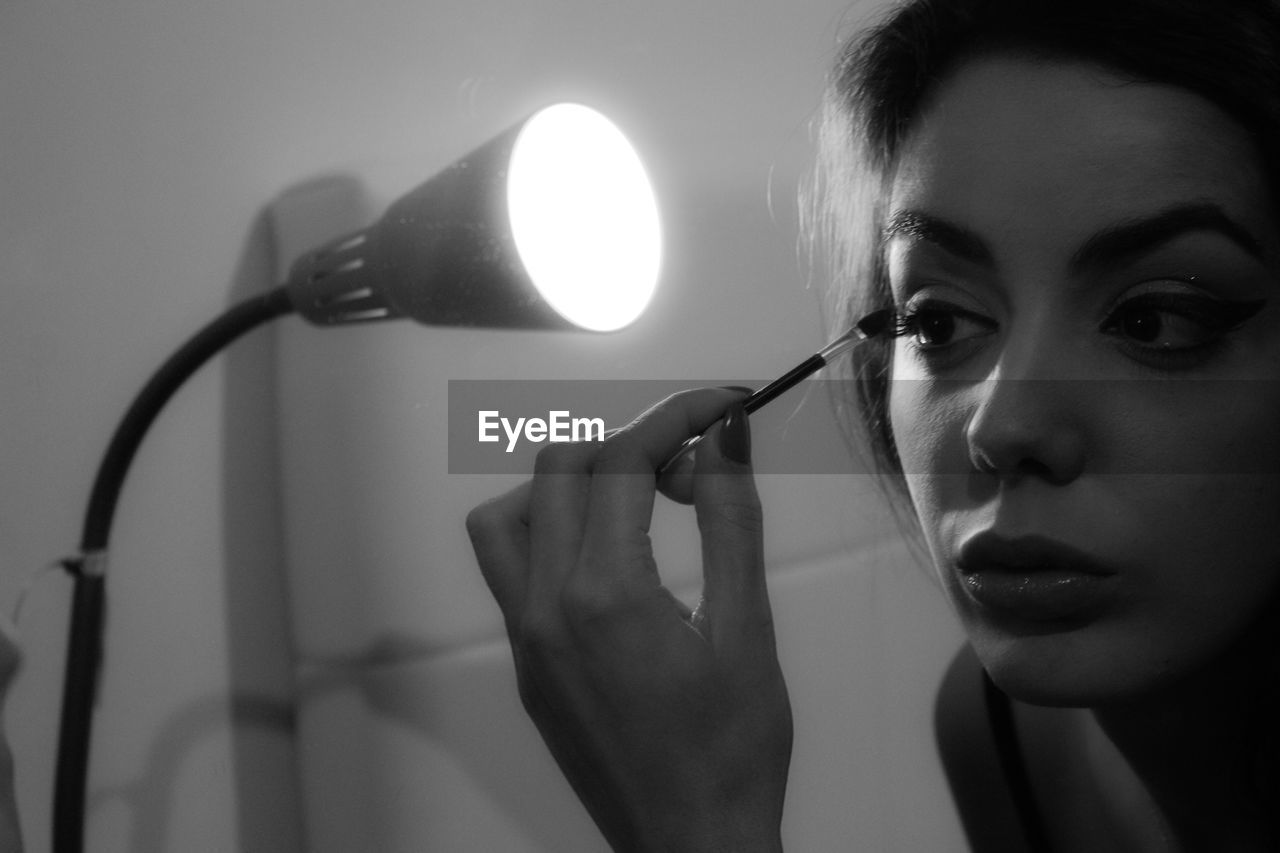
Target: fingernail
x=742, y=389
x=735, y=435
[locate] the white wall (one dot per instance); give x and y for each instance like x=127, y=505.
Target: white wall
x=140, y=143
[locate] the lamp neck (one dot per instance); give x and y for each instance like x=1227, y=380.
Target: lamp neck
x=336, y=283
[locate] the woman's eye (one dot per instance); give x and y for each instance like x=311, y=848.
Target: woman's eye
x=933, y=326
x=1174, y=322
x=1158, y=328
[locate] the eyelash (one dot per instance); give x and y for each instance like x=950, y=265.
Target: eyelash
x=910, y=322
x=1214, y=318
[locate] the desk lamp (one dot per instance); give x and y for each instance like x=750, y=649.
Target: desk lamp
x=551, y=224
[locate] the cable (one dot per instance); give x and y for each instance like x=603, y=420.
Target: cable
x=84, y=647
x=20, y=601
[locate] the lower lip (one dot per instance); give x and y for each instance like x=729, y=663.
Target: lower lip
x=1050, y=595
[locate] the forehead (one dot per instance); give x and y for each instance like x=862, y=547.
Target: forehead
x=1048, y=151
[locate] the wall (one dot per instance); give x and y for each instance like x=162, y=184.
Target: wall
x=140, y=146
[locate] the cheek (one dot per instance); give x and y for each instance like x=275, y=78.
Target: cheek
x=919, y=434
x=1207, y=427
x=928, y=432
x=1222, y=510
x=1210, y=558
x=925, y=424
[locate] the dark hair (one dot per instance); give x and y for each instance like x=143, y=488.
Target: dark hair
x=1226, y=51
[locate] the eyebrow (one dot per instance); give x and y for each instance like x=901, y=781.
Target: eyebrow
x=918, y=225
x=1131, y=238
x=1122, y=241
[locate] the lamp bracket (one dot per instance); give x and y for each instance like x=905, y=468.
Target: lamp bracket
x=333, y=285
x=321, y=240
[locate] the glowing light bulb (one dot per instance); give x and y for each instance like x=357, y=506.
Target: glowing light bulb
x=584, y=217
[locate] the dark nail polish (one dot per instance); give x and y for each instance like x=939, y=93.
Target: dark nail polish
x=735, y=435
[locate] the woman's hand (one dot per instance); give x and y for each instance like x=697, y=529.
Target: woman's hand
x=673, y=727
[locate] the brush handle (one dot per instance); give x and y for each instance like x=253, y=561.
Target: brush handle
x=758, y=398
x=783, y=383
x=868, y=327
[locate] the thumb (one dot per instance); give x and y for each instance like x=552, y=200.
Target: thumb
x=735, y=597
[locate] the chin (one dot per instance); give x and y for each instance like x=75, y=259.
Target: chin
x=1083, y=667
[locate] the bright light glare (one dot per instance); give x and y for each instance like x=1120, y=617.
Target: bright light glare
x=584, y=217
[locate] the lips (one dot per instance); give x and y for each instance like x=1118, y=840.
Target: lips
x=991, y=552
x=1033, y=579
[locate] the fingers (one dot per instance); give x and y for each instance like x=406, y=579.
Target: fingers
x=586, y=513
x=557, y=514
x=738, y=616
x=620, y=505
x=675, y=477
x=664, y=427
x=499, y=532
x=646, y=717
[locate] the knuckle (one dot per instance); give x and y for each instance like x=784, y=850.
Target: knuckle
x=596, y=611
x=592, y=605
x=497, y=514
x=480, y=520
x=564, y=457
x=673, y=406
x=621, y=444
x=539, y=640
x=681, y=400
x=625, y=453
x=580, y=600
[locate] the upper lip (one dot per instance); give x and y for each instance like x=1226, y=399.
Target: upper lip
x=989, y=551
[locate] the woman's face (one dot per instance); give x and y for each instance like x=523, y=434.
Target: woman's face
x=1086, y=394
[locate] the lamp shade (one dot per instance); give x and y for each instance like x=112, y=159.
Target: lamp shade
x=551, y=224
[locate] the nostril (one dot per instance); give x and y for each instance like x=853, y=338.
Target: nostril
x=1026, y=429
x=980, y=462
x=1028, y=469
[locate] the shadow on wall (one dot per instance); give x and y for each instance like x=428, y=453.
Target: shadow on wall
x=462, y=711
x=264, y=766
x=406, y=750
x=256, y=718
x=149, y=800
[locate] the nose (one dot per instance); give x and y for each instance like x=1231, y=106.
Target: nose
x=1023, y=426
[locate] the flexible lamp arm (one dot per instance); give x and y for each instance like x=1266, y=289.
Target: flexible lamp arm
x=206, y=343
x=84, y=647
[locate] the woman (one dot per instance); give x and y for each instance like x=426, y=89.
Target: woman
x=1072, y=208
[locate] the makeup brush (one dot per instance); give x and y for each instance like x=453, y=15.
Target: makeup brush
x=868, y=327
